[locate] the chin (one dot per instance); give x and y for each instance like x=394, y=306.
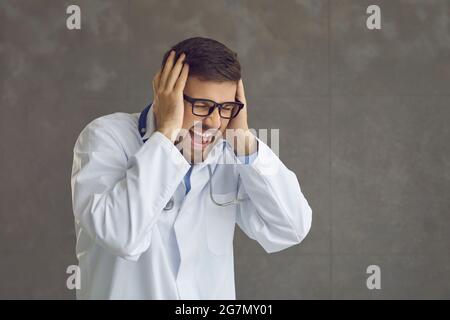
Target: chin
x=197, y=152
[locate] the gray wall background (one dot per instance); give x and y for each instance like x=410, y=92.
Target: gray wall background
x=363, y=116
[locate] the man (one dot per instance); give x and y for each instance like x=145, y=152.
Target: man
x=155, y=203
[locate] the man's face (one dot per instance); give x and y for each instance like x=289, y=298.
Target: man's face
x=196, y=147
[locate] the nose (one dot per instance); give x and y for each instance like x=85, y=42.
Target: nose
x=213, y=120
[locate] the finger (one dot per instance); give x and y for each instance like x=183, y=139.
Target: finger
x=166, y=70
x=240, y=92
x=155, y=82
x=175, y=73
x=181, y=82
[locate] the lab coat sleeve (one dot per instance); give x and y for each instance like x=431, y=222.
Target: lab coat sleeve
x=116, y=199
x=276, y=214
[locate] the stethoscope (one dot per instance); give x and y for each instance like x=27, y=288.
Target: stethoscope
x=142, y=127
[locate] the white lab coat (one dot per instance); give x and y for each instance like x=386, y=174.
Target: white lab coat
x=128, y=247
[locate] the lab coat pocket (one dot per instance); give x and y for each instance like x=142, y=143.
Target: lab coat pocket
x=220, y=222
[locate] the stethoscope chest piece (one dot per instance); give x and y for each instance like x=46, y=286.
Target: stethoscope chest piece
x=169, y=205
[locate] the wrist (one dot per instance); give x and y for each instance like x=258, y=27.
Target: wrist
x=244, y=142
x=170, y=133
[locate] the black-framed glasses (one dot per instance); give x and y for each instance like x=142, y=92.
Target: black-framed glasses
x=204, y=107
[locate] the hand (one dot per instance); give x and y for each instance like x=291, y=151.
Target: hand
x=168, y=104
x=238, y=133
x=240, y=121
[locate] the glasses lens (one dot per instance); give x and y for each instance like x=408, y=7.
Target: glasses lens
x=229, y=110
x=202, y=107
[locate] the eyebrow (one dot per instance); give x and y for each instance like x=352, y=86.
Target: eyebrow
x=209, y=99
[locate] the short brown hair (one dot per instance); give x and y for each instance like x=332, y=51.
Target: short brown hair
x=208, y=59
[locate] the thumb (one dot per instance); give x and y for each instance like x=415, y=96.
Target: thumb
x=240, y=93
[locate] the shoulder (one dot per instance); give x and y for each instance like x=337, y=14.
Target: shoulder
x=117, y=121
x=112, y=129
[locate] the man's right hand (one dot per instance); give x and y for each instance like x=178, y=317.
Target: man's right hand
x=168, y=102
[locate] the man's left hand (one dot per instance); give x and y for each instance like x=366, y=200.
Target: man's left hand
x=244, y=142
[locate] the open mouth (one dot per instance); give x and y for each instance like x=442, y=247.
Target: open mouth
x=201, y=140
